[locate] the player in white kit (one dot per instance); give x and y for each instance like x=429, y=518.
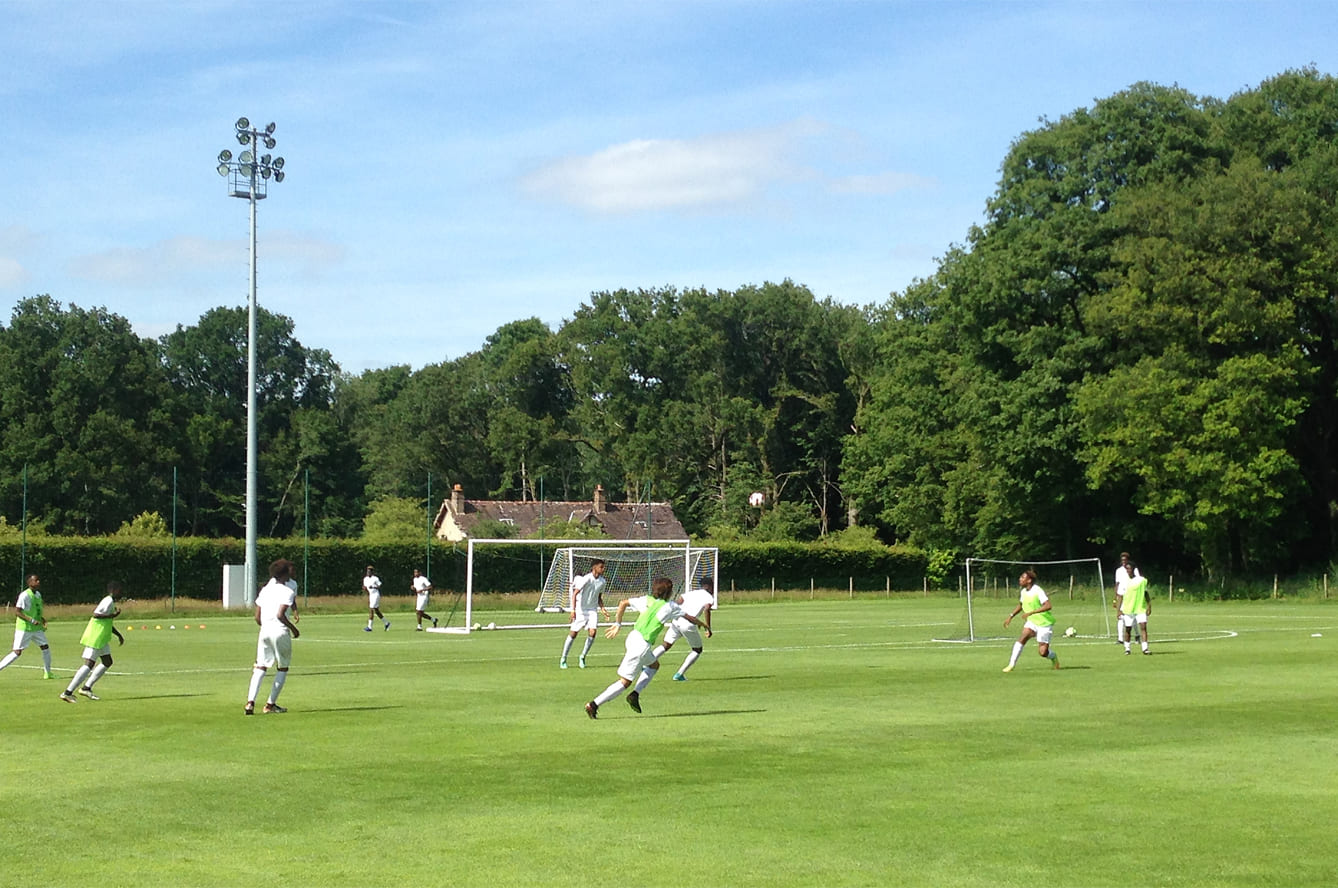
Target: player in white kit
x=587, y=603
x=276, y=611
x=372, y=584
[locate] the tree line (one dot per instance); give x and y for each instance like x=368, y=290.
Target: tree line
x=1135, y=349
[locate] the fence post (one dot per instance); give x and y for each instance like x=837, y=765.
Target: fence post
x=852, y=587
x=810, y=588
x=773, y=587
x=1170, y=587
x=1275, y=585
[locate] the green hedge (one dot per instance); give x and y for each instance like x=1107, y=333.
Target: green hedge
x=75, y=570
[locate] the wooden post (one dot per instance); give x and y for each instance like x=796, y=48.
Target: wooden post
x=1170, y=587
x=1275, y=585
x=852, y=587
x=810, y=588
x=773, y=587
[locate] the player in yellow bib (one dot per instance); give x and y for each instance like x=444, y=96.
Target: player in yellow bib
x=97, y=645
x=30, y=626
x=1134, y=606
x=1033, y=604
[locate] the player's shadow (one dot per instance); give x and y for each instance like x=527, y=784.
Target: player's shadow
x=733, y=678
x=160, y=696
x=348, y=708
x=706, y=712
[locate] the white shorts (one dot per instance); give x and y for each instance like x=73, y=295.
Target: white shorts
x=274, y=647
x=638, y=657
x=1130, y=619
x=373, y=600
x=1043, y=633
x=683, y=629
x=94, y=653
x=584, y=620
x=24, y=637
x=420, y=604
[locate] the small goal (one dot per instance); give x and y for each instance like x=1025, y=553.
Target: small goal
x=630, y=566
x=1076, y=588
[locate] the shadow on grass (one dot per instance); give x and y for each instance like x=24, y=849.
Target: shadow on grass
x=733, y=678
x=156, y=697
x=704, y=712
x=349, y=708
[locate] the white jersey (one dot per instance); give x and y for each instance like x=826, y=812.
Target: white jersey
x=1122, y=578
x=106, y=607
x=697, y=601
x=271, y=600
x=421, y=584
x=587, y=589
x=371, y=584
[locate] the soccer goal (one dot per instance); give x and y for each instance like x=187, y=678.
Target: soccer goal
x=1076, y=588
x=630, y=566
x=628, y=571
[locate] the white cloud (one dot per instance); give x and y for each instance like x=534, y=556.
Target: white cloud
x=179, y=257
x=880, y=183
x=12, y=274
x=674, y=174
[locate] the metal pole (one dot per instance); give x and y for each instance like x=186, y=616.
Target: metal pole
x=428, y=573
x=306, y=536
x=174, y=539
x=252, y=432
x=23, y=522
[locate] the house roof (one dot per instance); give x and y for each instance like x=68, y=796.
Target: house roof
x=620, y=521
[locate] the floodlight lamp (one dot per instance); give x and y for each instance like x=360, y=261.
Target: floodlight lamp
x=264, y=172
x=244, y=138
x=243, y=123
x=224, y=156
x=222, y=169
x=265, y=159
x=278, y=175
x=247, y=157
x=269, y=130
x=248, y=170
x=278, y=163
x=270, y=142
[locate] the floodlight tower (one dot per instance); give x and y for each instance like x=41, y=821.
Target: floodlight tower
x=249, y=176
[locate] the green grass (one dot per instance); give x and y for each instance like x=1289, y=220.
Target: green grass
x=817, y=743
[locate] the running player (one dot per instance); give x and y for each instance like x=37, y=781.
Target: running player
x=1034, y=605
x=30, y=626
x=97, y=645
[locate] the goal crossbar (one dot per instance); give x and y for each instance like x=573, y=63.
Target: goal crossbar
x=1094, y=564
x=666, y=545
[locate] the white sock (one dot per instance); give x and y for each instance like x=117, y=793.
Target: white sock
x=280, y=677
x=688, y=661
x=610, y=693
x=46, y=659
x=646, y=675
x=256, y=675
x=1017, y=652
x=79, y=676
x=1145, y=644
x=369, y=624
x=566, y=646
x=9, y=658
x=98, y=671
x=589, y=641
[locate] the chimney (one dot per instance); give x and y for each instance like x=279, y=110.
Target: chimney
x=458, y=500
x=599, y=499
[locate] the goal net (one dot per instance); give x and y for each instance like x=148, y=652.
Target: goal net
x=1076, y=589
x=628, y=572
x=501, y=577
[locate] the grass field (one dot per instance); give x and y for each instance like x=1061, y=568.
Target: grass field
x=817, y=743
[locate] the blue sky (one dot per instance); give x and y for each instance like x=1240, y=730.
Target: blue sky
x=453, y=167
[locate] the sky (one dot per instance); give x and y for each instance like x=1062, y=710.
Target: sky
x=456, y=166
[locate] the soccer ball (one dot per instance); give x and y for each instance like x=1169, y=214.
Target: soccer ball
x=1070, y=632
x=756, y=499
x=492, y=625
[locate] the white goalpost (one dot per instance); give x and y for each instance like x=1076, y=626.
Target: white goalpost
x=1076, y=587
x=630, y=565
